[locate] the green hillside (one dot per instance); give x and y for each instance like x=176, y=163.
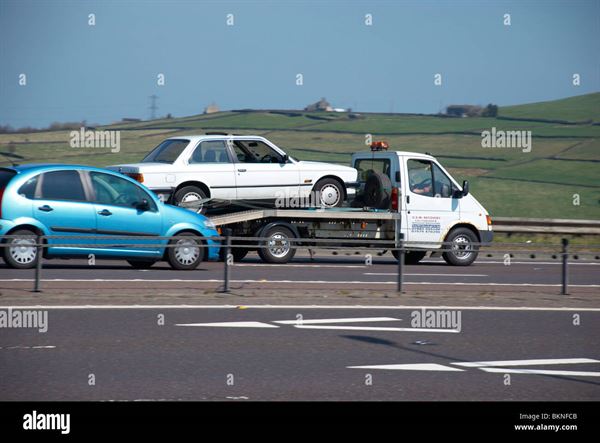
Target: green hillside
x=564, y=160
x=574, y=109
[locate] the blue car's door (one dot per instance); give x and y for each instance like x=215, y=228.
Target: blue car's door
x=119, y=214
x=60, y=203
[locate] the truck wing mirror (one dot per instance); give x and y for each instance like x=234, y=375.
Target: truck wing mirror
x=284, y=158
x=397, y=177
x=465, y=186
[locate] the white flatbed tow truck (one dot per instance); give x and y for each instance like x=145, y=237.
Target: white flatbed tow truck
x=402, y=196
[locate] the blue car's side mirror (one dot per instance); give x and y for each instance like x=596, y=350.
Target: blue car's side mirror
x=144, y=205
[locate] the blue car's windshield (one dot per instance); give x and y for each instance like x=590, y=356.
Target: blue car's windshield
x=167, y=152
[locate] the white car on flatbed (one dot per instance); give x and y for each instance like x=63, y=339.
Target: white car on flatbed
x=190, y=170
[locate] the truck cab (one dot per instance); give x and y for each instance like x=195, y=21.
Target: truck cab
x=434, y=207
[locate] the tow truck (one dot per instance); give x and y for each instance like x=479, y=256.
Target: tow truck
x=401, y=196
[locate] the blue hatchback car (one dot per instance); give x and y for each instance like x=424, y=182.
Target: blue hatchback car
x=92, y=210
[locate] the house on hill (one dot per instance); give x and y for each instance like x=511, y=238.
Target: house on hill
x=464, y=110
x=211, y=109
x=321, y=105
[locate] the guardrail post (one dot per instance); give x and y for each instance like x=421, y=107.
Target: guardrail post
x=38, y=265
x=565, y=266
x=400, y=262
x=226, y=255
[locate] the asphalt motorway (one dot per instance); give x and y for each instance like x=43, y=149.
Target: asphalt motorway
x=324, y=273
x=334, y=353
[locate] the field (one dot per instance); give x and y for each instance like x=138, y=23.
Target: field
x=563, y=166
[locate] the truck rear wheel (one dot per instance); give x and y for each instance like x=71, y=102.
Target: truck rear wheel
x=411, y=257
x=463, y=249
x=279, y=247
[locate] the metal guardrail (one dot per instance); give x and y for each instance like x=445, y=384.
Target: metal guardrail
x=546, y=226
x=227, y=242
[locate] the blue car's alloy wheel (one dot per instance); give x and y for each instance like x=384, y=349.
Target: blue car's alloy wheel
x=22, y=252
x=186, y=251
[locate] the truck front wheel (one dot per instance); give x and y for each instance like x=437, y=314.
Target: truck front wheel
x=279, y=247
x=463, y=247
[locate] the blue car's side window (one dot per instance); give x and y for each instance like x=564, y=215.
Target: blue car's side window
x=116, y=191
x=27, y=190
x=62, y=185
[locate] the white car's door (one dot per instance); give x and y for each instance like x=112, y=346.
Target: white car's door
x=211, y=164
x=430, y=205
x=260, y=173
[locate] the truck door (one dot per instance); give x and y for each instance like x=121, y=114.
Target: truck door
x=430, y=205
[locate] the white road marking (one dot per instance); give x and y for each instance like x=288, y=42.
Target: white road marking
x=362, y=307
x=296, y=265
x=532, y=262
x=427, y=275
x=28, y=347
x=318, y=282
x=541, y=361
x=376, y=328
x=542, y=372
x=232, y=324
x=335, y=320
x=411, y=367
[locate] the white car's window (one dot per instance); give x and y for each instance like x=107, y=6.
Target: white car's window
x=211, y=151
x=167, y=152
x=252, y=151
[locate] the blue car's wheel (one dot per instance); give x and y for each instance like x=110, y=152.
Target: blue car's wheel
x=185, y=252
x=22, y=252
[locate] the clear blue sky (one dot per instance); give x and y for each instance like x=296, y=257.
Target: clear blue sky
x=106, y=72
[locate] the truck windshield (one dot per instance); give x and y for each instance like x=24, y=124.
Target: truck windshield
x=167, y=152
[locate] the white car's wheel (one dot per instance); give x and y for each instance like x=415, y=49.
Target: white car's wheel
x=191, y=197
x=329, y=193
